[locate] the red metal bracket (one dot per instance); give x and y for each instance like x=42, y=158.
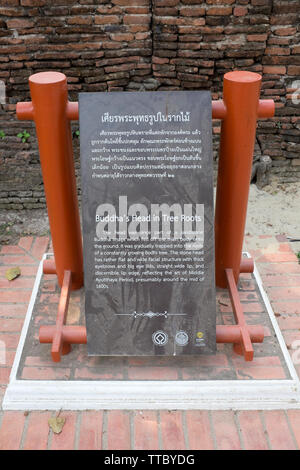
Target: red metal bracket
x=245, y=345
x=59, y=346
x=240, y=335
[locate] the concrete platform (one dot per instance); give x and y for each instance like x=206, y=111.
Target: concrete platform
x=221, y=381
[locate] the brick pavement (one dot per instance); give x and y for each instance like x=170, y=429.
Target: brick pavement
x=155, y=429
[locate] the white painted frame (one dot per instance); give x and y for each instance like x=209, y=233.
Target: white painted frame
x=145, y=394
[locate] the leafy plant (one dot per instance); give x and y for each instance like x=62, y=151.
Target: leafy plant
x=298, y=256
x=24, y=136
x=2, y=134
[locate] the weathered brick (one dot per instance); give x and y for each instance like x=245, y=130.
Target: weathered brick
x=257, y=37
x=285, y=31
x=293, y=70
x=240, y=11
x=166, y=11
x=274, y=70
x=295, y=49
x=260, y=2
x=109, y=10
x=107, y=19
x=9, y=2
x=124, y=37
x=232, y=34
x=80, y=20
x=136, y=10
x=19, y=23
x=131, y=2
x=192, y=11
x=136, y=19
x=219, y=11
x=277, y=50
x=33, y=3
x=220, y=2
x=282, y=19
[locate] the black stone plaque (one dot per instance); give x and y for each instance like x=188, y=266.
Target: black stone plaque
x=147, y=208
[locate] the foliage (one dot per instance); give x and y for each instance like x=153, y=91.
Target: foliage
x=24, y=136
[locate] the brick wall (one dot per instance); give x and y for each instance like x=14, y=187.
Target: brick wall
x=146, y=45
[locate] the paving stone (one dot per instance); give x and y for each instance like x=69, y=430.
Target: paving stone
x=146, y=434
x=279, y=434
x=172, y=432
x=225, y=430
x=90, y=432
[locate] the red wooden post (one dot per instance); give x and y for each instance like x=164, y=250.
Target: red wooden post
x=48, y=109
x=243, y=108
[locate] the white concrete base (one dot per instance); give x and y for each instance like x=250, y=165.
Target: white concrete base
x=181, y=395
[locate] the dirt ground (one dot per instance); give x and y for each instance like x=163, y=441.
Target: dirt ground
x=274, y=210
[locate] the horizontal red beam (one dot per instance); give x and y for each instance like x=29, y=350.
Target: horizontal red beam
x=233, y=334
x=70, y=334
x=266, y=108
x=247, y=266
x=49, y=266
x=74, y=334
